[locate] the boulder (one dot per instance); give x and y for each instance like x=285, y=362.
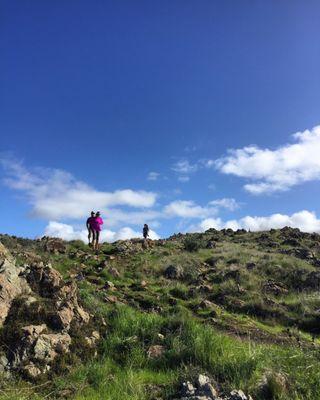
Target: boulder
x=53, y=245
x=37, y=288
x=92, y=339
x=11, y=283
x=238, y=395
x=203, y=389
x=155, y=351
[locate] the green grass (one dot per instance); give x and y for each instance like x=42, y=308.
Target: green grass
x=124, y=367
x=123, y=370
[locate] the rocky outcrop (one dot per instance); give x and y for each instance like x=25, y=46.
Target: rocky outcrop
x=54, y=245
x=204, y=389
x=37, y=349
x=36, y=292
x=11, y=284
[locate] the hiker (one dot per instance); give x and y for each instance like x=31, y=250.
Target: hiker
x=96, y=227
x=145, y=231
x=90, y=230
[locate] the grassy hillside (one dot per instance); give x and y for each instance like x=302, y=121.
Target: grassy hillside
x=242, y=307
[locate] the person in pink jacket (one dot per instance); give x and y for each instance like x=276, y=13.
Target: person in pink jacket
x=96, y=228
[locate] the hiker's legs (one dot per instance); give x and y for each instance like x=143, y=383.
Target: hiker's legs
x=90, y=234
x=93, y=243
x=97, y=240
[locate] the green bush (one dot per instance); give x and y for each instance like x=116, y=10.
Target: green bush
x=192, y=245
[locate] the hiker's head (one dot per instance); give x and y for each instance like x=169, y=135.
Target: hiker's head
x=98, y=214
x=93, y=213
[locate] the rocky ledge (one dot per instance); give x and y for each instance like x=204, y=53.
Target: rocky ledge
x=38, y=314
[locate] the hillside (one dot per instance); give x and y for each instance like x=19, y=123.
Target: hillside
x=221, y=314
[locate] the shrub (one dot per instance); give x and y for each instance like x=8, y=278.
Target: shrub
x=192, y=245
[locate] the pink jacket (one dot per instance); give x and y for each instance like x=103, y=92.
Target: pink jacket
x=96, y=223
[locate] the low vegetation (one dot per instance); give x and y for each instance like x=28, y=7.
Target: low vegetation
x=241, y=307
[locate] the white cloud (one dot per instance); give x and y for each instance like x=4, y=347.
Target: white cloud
x=304, y=220
x=227, y=203
x=68, y=232
x=184, y=167
x=117, y=216
x=188, y=209
x=153, y=176
x=276, y=170
x=56, y=194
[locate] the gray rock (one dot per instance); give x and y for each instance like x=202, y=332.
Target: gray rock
x=187, y=389
x=238, y=395
x=11, y=284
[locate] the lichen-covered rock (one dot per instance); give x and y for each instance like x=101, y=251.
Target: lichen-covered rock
x=155, y=351
x=11, y=284
x=53, y=245
x=39, y=293
x=203, y=389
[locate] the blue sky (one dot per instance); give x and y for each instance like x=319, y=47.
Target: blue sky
x=133, y=108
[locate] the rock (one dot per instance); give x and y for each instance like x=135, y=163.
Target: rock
x=291, y=242
x=34, y=347
x=31, y=371
x=40, y=347
x=251, y=265
x=173, y=272
x=4, y=362
x=155, y=351
x=272, y=287
x=92, y=340
x=79, y=277
x=114, y=272
x=34, y=330
x=111, y=299
x=272, y=380
x=304, y=253
x=44, y=279
x=48, y=346
x=237, y=395
x=187, y=389
x=206, y=304
x=125, y=247
x=109, y=286
x=211, y=244
x=54, y=245
x=11, y=284
x=205, y=388
x=64, y=317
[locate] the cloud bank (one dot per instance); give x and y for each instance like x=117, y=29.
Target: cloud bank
x=56, y=194
x=275, y=170
x=304, y=220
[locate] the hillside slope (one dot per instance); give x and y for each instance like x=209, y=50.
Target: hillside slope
x=242, y=308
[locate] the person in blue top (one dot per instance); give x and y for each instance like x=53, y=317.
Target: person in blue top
x=89, y=224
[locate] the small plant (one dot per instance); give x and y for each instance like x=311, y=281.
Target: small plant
x=192, y=245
